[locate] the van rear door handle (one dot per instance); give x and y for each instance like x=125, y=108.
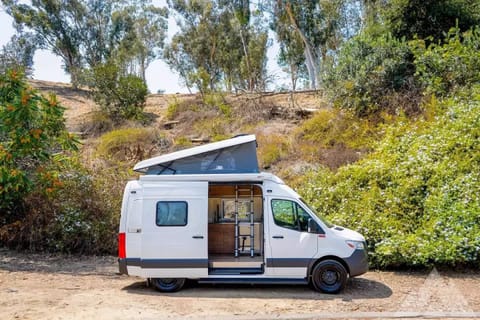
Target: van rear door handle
x=277, y=237
x=197, y=237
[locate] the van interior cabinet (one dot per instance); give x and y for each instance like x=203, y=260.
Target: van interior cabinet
x=221, y=238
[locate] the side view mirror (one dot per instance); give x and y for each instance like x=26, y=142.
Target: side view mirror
x=312, y=226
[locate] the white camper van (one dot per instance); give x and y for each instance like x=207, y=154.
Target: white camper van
x=208, y=214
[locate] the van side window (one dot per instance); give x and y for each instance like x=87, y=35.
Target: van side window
x=289, y=214
x=172, y=213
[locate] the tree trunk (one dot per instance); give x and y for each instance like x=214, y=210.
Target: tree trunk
x=309, y=54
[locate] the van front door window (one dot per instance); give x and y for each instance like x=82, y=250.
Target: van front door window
x=289, y=214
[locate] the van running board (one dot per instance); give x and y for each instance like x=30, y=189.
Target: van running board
x=234, y=271
x=254, y=281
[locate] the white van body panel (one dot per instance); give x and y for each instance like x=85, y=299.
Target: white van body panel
x=150, y=249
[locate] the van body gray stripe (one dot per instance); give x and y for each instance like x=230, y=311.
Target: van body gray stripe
x=203, y=263
x=288, y=262
x=167, y=263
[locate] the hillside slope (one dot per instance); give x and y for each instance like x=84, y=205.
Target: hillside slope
x=79, y=104
x=186, y=119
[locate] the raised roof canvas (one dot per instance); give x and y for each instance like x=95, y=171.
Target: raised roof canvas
x=236, y=155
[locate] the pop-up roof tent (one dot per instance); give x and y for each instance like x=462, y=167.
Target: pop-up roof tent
x=236, y=155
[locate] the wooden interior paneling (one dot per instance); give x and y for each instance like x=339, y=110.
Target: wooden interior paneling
x=221, y=238
x=224, y=191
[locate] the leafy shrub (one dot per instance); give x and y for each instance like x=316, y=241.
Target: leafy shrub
x=331, y=127
x=370, y=68
x=416, y=198
x=272, y=149
x=32, y=130
x=131, y=144
x=183, y=142
x=217, y=101
x=97, y=123
x=119, y=96
x=77, y=215
x=48, y=201
x=172, y=109
x=447, y=66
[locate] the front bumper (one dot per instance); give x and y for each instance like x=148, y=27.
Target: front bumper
x=357, y=262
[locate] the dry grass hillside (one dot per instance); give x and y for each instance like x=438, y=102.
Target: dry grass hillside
x=79, y=104
x=184, y=120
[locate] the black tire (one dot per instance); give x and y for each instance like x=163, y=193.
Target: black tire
x=329, y=276
x=168, y=284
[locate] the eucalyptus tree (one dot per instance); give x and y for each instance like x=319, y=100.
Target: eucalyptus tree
x=18, y=53
x=310, y=32
x=219, y=46
x=87, y=33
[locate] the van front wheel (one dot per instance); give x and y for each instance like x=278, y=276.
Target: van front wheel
x=168, y=284
x=329, y=276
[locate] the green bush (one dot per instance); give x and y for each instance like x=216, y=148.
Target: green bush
x=131, y=144
x=444, y=67
x=32, y=130
x=217, y=101
x=48, y=201
x=77, y=213
x=416, y=198
x=331, y=127
x=272, y=149
x=369, y=69
x=172, y=109
x=119, y=96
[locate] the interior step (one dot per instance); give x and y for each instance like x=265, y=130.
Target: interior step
x=235, y=262
x=234, y=271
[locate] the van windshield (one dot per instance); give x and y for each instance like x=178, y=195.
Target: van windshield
x=328, y=224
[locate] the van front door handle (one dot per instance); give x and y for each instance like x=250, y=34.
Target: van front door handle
x=277, y=237
x=197, y=237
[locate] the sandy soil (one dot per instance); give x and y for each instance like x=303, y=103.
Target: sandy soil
x=34, y=286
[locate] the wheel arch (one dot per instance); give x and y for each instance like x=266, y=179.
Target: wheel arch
x=314, y=262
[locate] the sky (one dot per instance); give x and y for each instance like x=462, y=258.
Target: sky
x=48, y=67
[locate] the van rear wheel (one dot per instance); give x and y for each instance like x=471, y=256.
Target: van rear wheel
x=329, y=276
x=168, y=284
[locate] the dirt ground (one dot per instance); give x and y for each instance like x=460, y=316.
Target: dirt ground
x=34, y=286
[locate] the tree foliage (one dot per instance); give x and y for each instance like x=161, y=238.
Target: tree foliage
x=445, y=68
x=119, y=96
x=18, y=54
x=375, y=70
x=218, y=46
x=369, y=70
x=428, y=18
x=86, y=33
x=310, y=32
x=32, y=133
